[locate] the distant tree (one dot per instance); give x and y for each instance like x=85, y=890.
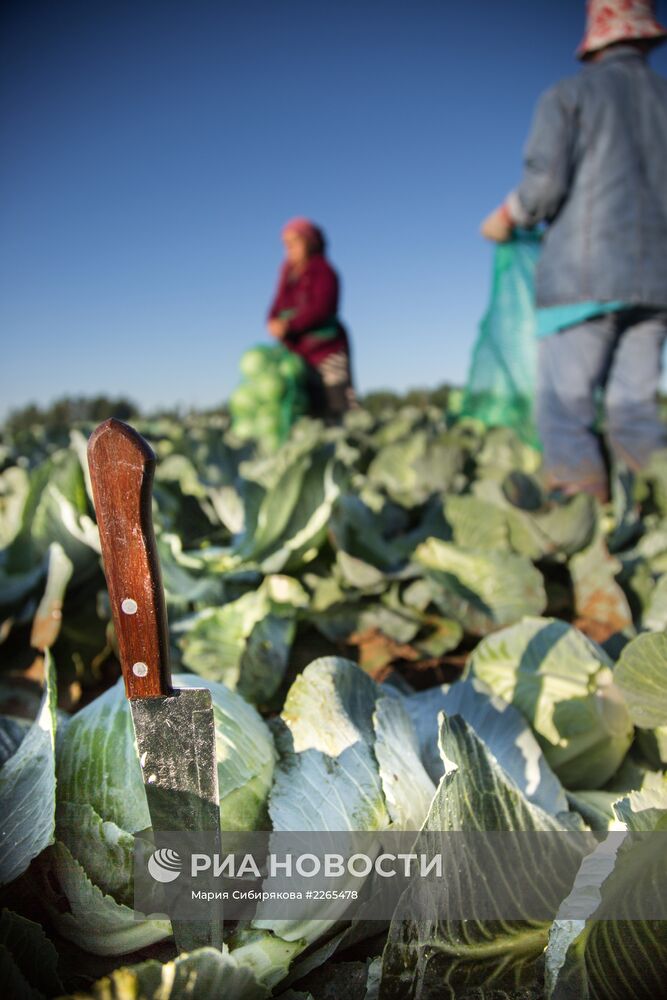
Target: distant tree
x=221, y=410
x=67, y=411
x=379, y=400
x=383, y=399
x=101, y=408
x=163, y=413
x=440, y=396
x=417, y=397
x=23, y=419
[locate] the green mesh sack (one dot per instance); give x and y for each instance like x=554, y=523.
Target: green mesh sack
x=501, y=382
x=271, y=396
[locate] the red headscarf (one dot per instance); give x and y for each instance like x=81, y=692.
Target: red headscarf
x=311, y=233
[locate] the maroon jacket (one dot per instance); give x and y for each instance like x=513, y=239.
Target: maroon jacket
x=311, y=299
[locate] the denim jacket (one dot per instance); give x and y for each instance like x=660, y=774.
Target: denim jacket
x=595, y=168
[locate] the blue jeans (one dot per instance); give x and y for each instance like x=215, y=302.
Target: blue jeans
x=621, y=354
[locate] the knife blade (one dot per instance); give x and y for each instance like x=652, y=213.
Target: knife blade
x=174, y=728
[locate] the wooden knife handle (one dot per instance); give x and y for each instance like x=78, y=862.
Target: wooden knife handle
x=121, y=466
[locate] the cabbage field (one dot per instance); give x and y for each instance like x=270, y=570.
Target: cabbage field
x=449, y=648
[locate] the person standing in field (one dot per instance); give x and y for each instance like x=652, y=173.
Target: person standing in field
x=595, y=170
x=304, y=317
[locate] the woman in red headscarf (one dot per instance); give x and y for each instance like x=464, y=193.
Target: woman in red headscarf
x=304, y=316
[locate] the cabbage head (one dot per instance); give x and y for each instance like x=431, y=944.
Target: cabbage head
x=562, y=683
x=256, y=360
x=101, y=803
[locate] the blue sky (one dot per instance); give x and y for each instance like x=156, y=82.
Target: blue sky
x=152, y=150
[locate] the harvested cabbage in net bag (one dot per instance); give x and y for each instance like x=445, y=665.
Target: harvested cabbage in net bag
x=271, y=396
x=501, y=382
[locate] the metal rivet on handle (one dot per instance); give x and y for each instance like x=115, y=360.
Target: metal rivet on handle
x=129, y=606
x=139, y=669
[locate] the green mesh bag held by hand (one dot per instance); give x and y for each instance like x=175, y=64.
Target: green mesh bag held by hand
x=501, y=382
x=271, y=395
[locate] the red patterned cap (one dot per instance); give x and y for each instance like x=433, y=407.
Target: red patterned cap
x=610, y=21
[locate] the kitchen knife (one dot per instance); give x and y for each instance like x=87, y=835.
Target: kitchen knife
x=174, y=728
